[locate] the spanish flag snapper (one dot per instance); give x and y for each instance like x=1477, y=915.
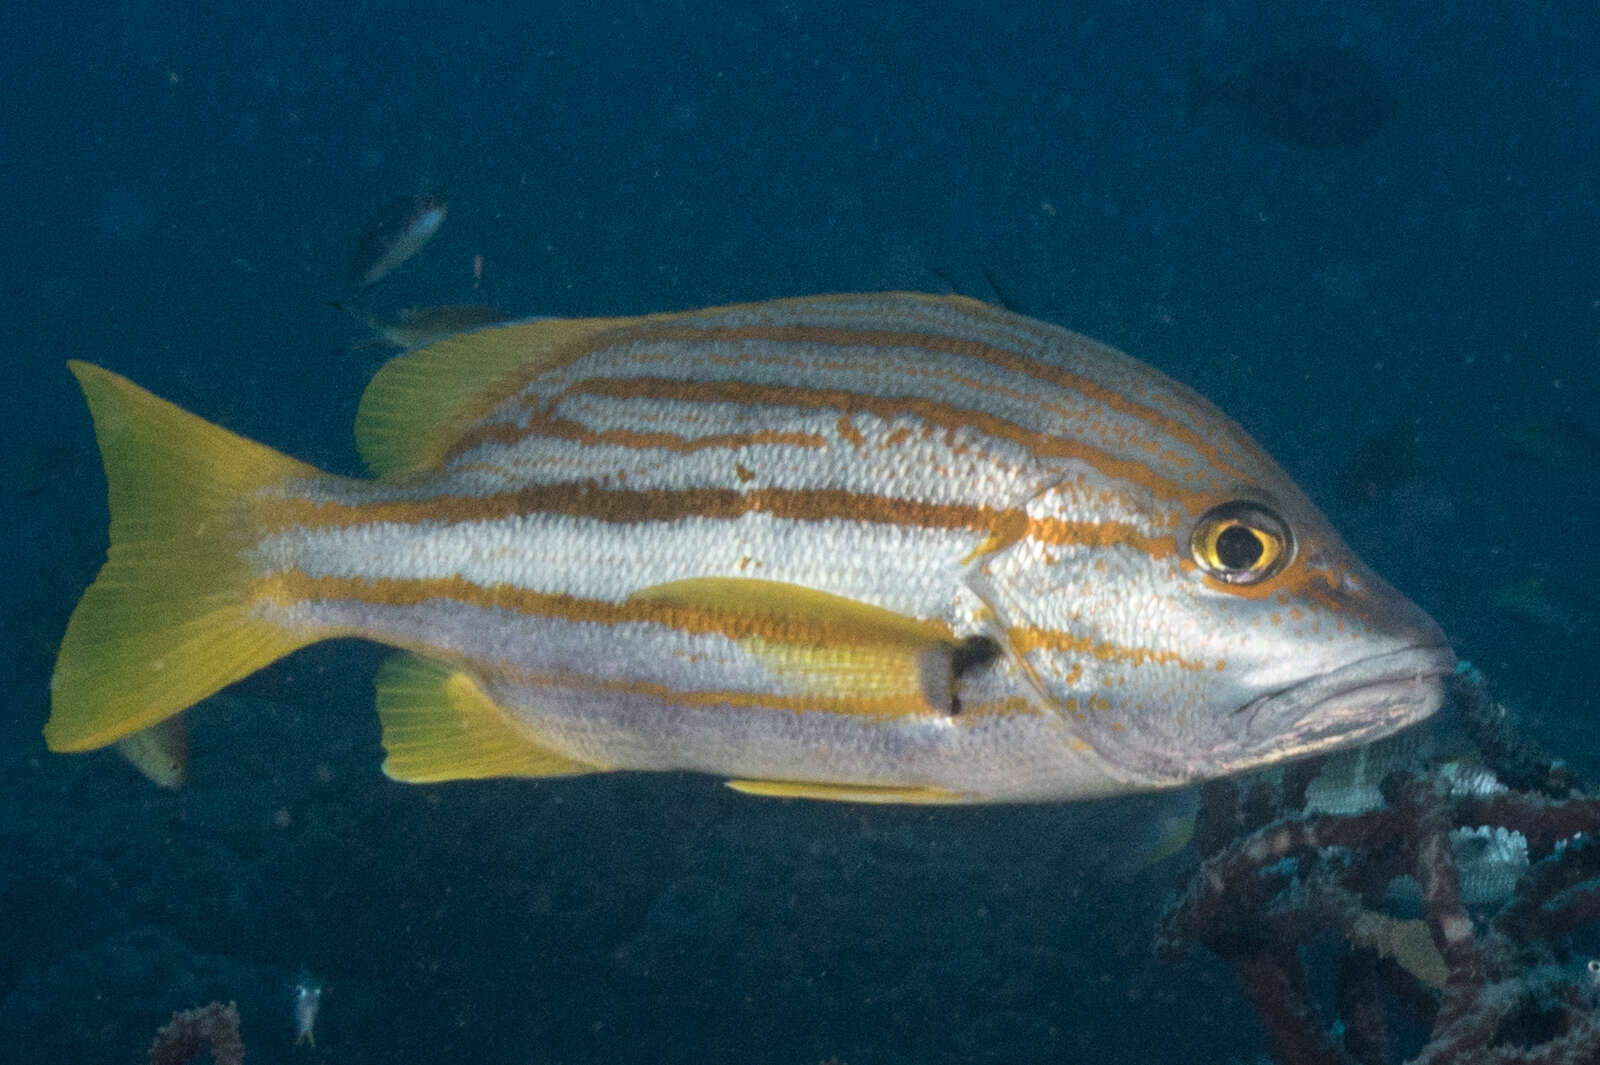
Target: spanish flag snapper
x=891, y=548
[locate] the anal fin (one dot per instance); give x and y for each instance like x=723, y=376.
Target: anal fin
x=793, y=789
x=439, y=725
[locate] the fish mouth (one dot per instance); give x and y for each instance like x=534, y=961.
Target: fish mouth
x=1358, y=703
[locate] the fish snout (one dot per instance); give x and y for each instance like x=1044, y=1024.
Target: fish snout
x=1392, y=677
x=1394, y=619
x=1357, y=703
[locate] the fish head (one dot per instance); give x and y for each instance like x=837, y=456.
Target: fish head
x=1193, y=637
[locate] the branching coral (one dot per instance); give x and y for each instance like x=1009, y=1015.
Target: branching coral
x=1485, y=987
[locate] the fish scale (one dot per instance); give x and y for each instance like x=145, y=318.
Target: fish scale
x=888, y=547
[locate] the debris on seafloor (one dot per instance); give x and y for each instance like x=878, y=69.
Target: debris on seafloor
x=212, y=1029
x=1436, y=927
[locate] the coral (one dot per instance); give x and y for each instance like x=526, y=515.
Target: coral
x=1289, y=891
x=1409, y=943
x=214, y=1028
x=1489, y=862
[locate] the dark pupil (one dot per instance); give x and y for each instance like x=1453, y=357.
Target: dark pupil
x=1238, y=547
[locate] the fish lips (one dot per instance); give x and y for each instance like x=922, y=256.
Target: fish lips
x=1358, y=703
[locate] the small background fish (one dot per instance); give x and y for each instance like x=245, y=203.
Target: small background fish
x=1382, y=464
x=414, y=327
x=395, y=232
x=1318, y=96
x=308, y=992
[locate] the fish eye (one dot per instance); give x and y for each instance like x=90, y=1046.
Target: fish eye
x=1241, y=543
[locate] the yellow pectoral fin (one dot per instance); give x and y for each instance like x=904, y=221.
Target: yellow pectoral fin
x=807, y=612
x=439, y=725
x=791, y=789
x=852, y=656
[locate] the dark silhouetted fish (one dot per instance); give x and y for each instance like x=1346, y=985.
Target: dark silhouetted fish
x=1560, y=442
x=1557, y=608
x=1382, y=464
x=394, y=234
x=1321, y=96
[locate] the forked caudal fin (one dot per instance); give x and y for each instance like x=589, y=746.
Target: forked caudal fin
x=168, y=620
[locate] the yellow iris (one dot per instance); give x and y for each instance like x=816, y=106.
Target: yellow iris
x=1240, y=543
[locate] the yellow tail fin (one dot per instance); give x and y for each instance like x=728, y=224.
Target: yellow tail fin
x=168, y=619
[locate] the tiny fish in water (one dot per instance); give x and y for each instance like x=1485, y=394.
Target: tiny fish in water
x=307, y=1003
x=415, y=327
x=1320, y=96
x=394, y=234
x=160, y=753
x=885, y=548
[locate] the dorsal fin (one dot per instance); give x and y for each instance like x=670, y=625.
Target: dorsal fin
x=421, y=403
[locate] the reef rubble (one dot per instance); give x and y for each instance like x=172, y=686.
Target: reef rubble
x=1439, y=926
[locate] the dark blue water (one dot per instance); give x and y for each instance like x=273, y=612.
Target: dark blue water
x=183, y=190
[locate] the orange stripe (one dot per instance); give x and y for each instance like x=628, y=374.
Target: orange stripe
x=1101, y=534
x=565, y=429
x=1026, y=639
x=1316, y=587
x=953, y=420
x=627, y=506
x=972, y=349
x=669, y=329
x=1007, y=706
x=293, y=586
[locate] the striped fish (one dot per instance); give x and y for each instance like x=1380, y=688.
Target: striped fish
x=891, y=547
